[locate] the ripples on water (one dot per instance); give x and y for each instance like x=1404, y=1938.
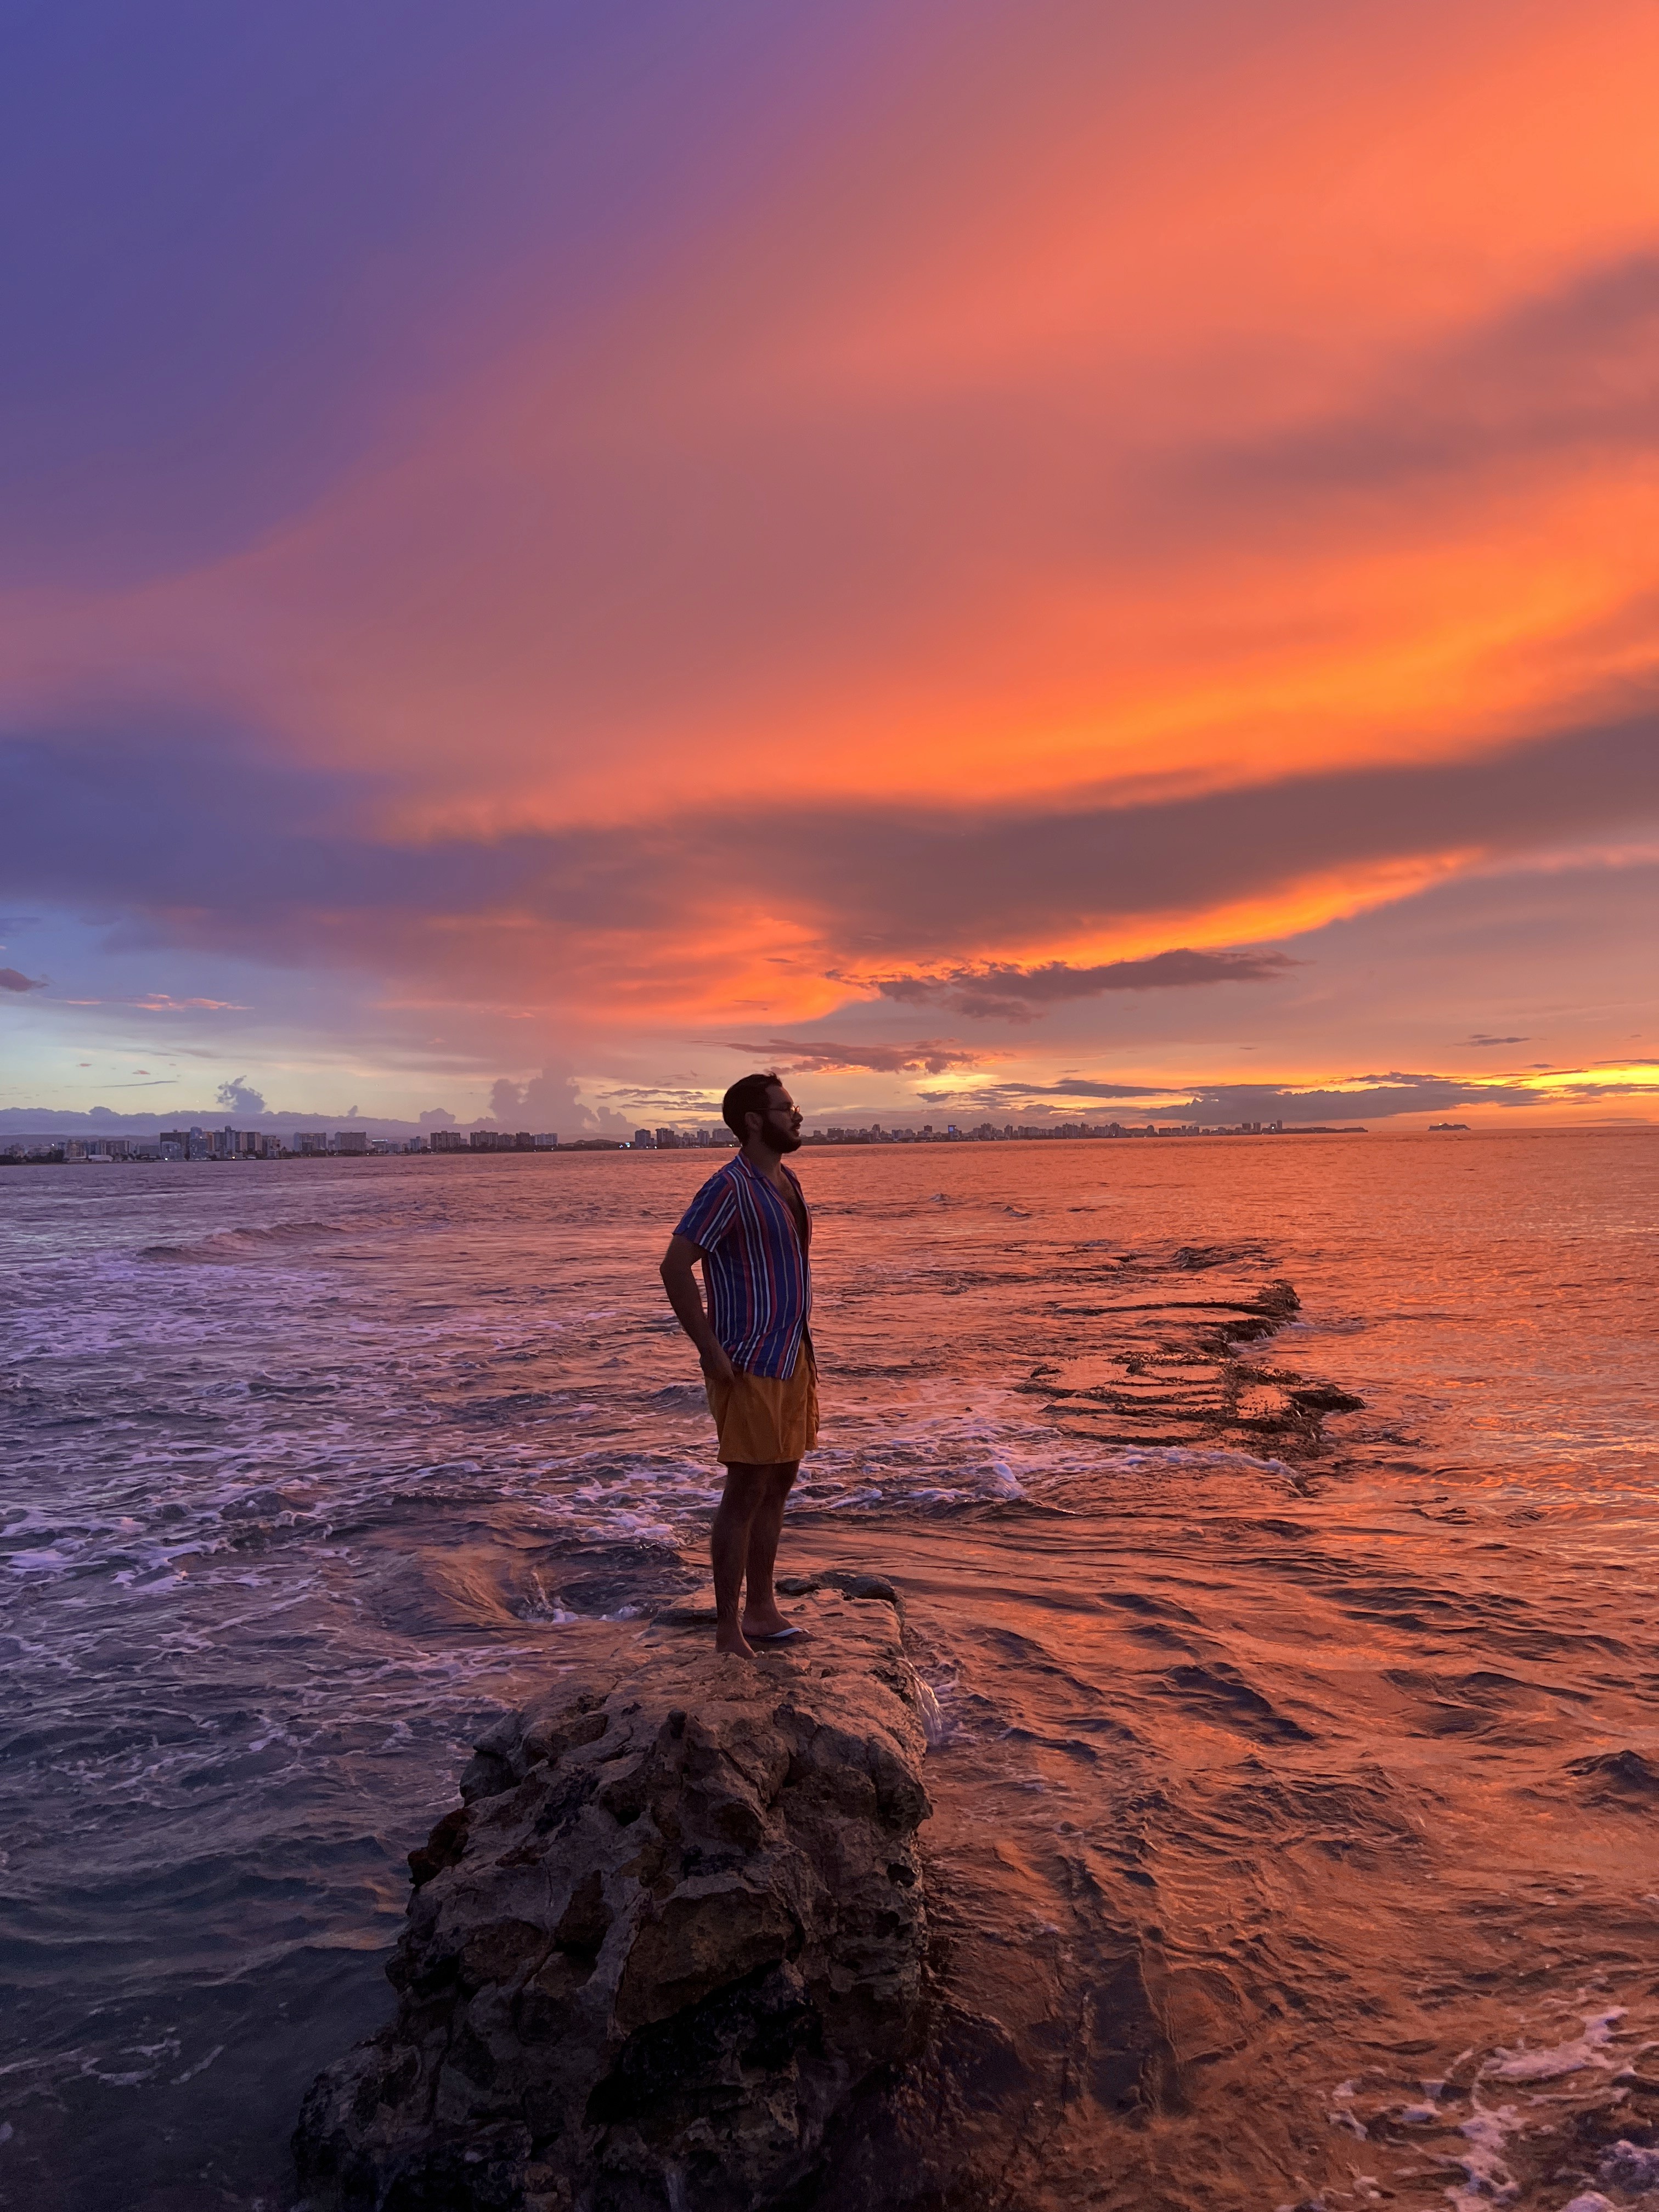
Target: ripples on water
x=1297, y=1770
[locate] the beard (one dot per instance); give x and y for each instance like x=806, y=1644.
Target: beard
x=780, y=1140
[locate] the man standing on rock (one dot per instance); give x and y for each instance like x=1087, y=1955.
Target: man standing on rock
x=750, y=1227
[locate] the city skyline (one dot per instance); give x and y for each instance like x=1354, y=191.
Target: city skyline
x=198, y=1145
x=1012, y=564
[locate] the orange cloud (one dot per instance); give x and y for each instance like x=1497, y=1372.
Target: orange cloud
x=900, y=479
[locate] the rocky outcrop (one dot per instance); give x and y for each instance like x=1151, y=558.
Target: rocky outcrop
x=675, y=1927
x=1172, y=1374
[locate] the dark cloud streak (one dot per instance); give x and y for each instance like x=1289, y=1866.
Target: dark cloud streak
x=1575, y=370
x=1367, y=1098
x=208, y=843
x=932, y=1056
x=1008, y=993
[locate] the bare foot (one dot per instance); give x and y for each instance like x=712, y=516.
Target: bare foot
x=729, y=1638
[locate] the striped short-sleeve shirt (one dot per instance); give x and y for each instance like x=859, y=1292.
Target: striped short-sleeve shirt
x=755, y=1267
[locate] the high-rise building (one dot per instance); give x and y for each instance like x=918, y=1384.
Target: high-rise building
x=644, y=1141
x=449, y=1141
x=547, y=1140
x=351, y=1140
x=311, y=1144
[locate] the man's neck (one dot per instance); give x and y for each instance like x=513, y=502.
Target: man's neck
x=765, y=1161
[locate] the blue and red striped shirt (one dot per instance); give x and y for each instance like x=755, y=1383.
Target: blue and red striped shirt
x=755, y=1267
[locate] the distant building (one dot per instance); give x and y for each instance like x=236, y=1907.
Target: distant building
x=311, y=1144
x=351, y=1140
x=546, y=1140
x=449, y=1141
x=500, y=1140
x=644, y=1141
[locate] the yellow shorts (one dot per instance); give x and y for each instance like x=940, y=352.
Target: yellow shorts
x=767, y=1420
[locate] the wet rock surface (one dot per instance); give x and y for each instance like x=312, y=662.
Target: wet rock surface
x=674, y=1930
x=1175, y=1376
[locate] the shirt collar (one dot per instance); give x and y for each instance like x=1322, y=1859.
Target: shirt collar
x=742, y=1161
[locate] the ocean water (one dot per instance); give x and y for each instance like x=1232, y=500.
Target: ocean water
x=1315, y=1741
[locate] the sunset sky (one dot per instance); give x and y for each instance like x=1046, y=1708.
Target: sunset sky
x=1057, y=557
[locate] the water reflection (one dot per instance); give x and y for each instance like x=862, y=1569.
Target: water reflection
x=1296, y=1759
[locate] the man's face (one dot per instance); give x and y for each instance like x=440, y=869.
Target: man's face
x=780, y=1126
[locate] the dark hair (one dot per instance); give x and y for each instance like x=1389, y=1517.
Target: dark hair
x=746, y=1096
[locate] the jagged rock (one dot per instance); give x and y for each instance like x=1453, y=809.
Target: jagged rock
x=1326, y=1398
x=1174, y=1378
x=675, y=1925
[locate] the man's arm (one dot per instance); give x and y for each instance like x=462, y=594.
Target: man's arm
x=681, y=1285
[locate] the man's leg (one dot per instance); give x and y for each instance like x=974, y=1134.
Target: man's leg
x=760, y=1616
x=728, y=1542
